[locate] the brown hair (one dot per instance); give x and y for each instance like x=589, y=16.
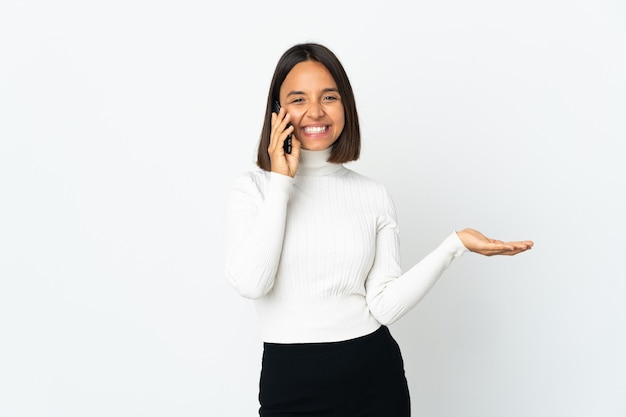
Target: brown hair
x=347, y=147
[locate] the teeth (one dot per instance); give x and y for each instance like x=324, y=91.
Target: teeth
x=314, y=130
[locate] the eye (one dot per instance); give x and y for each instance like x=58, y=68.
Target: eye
x=331, y=98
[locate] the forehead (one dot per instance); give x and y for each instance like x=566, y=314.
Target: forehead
x=308, y=76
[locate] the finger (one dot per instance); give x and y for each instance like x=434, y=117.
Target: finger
x=273, y=133
x=295, y=148
x=509, y=252
x=277, y=136
x=513, y=252
x=280, y=130
x=524, y=244
x=500, y=246
x=503, y=250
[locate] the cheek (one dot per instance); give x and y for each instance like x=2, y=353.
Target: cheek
x=295, y=117
x=340, y=121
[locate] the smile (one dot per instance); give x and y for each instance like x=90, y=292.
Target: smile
x=315, y=130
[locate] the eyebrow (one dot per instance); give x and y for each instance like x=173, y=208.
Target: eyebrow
x=325, y=90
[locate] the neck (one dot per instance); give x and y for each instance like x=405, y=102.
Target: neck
x=315, y=163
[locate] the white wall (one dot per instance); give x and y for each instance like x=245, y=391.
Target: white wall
x=122, y=124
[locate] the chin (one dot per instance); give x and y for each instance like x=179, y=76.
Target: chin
x=319, y=146
x=315, y=148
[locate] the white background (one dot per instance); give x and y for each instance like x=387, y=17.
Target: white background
x=123, y=124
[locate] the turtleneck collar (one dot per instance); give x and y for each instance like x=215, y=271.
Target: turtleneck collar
x=315, y=163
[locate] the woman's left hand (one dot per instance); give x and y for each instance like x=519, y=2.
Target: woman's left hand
x=476, y=242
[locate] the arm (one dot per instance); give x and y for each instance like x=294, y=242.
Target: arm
x=255, y=227
x=391, y=293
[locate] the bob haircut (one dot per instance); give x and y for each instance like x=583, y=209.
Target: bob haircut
x=347, y=147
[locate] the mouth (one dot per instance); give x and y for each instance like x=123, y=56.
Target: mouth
x=315, y=130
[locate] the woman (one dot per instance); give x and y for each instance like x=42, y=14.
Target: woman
x=316, y=246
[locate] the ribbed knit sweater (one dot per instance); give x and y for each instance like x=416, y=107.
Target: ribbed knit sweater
x=319, y=253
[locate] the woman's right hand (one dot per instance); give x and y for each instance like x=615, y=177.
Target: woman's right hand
x=282, y=162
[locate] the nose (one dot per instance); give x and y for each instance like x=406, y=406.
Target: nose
x=316, y=110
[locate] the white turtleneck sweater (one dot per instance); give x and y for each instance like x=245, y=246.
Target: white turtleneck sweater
x=319, y=253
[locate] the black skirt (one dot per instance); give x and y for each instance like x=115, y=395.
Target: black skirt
x=362, y=377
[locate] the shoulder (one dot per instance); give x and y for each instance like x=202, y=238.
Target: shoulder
x=369, y=188
x=254, y=178
x=366, y=182
x=254, y=175
x=251, y=183
x=259, y=183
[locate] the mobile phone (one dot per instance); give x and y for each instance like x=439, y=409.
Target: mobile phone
x=287, y=142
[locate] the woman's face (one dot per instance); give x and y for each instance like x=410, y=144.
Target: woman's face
x=310, y=95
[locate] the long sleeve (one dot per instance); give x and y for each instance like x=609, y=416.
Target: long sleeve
x=255, y=225
x=392, y=293
x=319, y=253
